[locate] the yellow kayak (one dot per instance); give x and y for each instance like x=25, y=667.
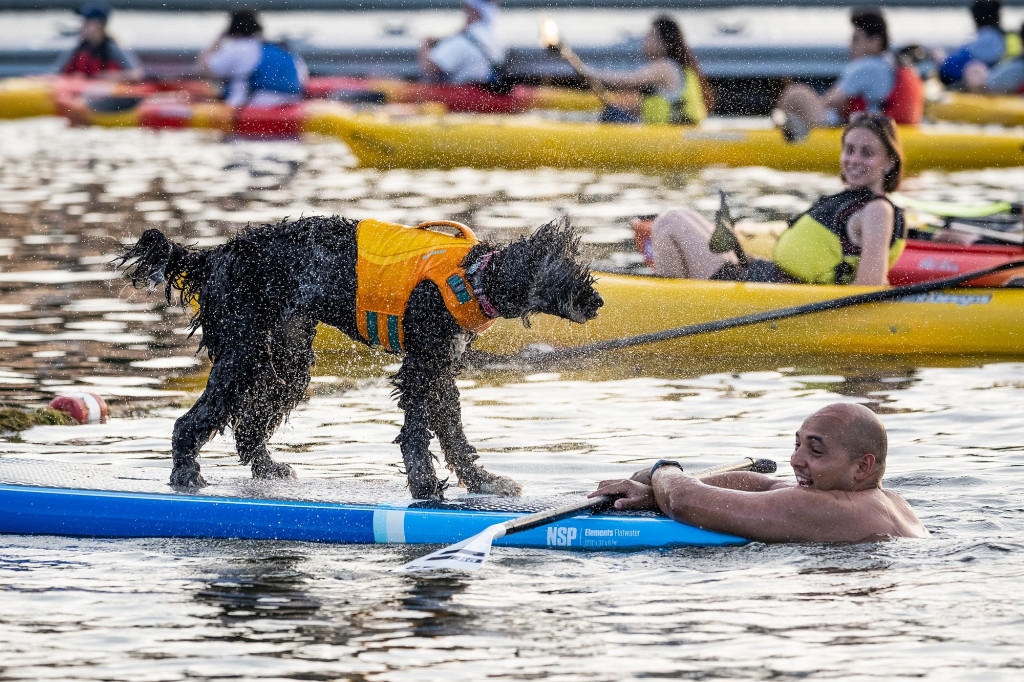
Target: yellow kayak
x=25, y=97
x=954, y=322
x=962, y=107
x=29, y=96
x=42, y=95
x=514, y=142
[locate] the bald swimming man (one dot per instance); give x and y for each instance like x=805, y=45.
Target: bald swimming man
x=839, y=461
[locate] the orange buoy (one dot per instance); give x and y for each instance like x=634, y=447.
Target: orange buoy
x=84, y=408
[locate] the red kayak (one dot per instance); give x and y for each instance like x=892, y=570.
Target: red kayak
x=923, y=261
x=163, y=112
x=455, y=97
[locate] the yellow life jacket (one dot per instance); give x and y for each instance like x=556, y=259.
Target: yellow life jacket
x=689, y=108
x=1012, y=46
x=816, y=249
x=392, y=259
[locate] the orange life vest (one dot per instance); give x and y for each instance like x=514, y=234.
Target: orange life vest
x=905, y=104
x=392, y=259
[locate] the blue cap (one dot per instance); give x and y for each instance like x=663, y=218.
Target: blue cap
x=95, y=10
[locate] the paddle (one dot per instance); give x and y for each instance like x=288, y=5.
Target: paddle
x=723, y=239
x=980, y=230
x=575, y=352
x=471, y=553
x=951, y=210
x=549, y=40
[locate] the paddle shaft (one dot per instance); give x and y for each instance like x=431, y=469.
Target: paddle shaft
x=999, y=235
x=768, y=315
x=951, y=210
x=549, y=516
x=576, y=63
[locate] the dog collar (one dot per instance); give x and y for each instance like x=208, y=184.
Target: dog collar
x=475, y=272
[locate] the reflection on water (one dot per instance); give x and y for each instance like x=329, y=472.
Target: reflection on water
x=90, y=609
x=271, y=587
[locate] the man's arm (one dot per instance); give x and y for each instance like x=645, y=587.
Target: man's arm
x=744, y=480
x=636, y=492
x=781, y=514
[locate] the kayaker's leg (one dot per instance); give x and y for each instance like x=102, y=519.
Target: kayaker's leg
x=975, y=78
x=799, y=109
x=805, y=102
x=679, y=241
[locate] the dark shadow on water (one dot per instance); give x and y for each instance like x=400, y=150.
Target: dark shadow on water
x=270, y=586
x=436, y=597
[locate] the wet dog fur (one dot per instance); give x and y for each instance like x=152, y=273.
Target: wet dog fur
x=261, y=296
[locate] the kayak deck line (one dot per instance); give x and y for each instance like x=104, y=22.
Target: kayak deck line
x=36, y=499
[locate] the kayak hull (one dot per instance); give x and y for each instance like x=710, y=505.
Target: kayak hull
x=37, y=95
x=962, y=107
x=517, y=142
x=923, y=261
x=954, y=322
x=42, y=95
x=525, y=142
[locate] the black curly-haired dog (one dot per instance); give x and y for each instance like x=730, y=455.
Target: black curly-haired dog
x=262, y=294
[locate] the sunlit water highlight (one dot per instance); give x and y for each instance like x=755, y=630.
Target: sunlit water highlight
x=88, y=609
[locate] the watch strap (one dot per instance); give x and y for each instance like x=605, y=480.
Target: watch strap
x=662, y=463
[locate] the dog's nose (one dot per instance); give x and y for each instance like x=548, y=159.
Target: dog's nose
x=598, y=301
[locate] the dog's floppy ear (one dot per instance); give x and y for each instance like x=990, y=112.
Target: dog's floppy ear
x=558, y=238
x=562, y=284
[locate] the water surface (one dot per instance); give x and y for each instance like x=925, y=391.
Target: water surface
x=156, y=609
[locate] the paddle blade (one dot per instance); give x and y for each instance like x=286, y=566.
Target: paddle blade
x=548, y=32
x=723, y=239
x=468, y=555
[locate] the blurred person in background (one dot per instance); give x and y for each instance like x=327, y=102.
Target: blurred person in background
x=1005, y=78
x=259, y=73
x=97, y=55
x=968, y=67
x=476, y=54
x=671, y=85
x=872, y=81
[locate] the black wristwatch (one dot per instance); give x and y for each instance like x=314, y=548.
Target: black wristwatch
x=663, y=463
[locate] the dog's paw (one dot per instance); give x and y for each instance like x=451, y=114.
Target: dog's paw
x=429, y=489
x=273, y=470
x=487, y=483
x=187, y=476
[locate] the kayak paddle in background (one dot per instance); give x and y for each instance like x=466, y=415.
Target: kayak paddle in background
x=980, y=230
x=471, y=553
x=549, y=40
x=951, y=210
x=723, y=239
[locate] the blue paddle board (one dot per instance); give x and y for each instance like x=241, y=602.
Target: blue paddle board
x=48, y=498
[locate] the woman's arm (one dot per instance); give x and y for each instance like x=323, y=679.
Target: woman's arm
x=874, y=224
x=655, y=74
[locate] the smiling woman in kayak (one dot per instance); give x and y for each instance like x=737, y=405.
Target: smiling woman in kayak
x=852, y=237
x=672, y=85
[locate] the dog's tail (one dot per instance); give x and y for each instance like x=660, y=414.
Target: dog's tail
x=156, y=260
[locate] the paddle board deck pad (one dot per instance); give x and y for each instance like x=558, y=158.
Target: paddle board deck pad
x=52, y=498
